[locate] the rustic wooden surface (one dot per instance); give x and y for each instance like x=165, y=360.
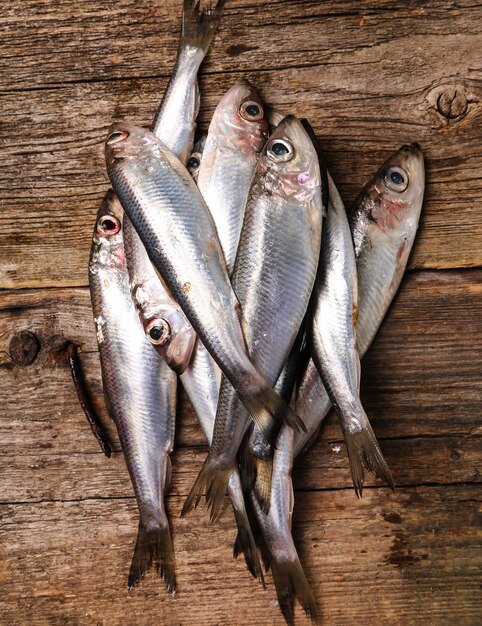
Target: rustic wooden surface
x=369, y=76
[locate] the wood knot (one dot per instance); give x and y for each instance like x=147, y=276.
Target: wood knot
x=24, y=347
x=452, y=102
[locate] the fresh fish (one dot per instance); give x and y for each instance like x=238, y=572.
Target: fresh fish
x=194, y=161
x=334, y=347
x=174, y=224
x=165, y=324
x=236, y=136
x=280, y=553
x=140, y=393
x=258, y=455
x=383, y=223
x=175, y=121
x=278, y=255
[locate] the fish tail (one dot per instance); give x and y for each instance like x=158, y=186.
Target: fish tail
x=153, y=545
x=246, y=545
x=269, y=412
x=256, y=476
x=213, y=480
x=364, y=451
x=291, y=585
x=198, y=27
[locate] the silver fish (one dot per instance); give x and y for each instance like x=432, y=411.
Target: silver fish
x=140, y=393
x=174, y=224
x=334, y=347
x=278, y=255
x=175, y=121
x=383, y=223
x=236, y=136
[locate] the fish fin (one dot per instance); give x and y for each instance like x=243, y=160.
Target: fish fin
x=364, y=451
x=262, y=483
x=84, y=400
x=269, y=412
x=214, y=481
x=291, y=584
x=153, y=544
x=198, y=27
x=246, y=545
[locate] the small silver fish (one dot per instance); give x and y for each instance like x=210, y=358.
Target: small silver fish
x=334, y=347
x=140, y=391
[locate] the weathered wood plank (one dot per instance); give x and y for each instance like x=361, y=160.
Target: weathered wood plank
x=421, y=378
x=45, y=476
x=401, y=559
x=374, y=76
x=49, y=44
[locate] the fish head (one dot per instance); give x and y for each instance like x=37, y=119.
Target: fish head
x=130, y=146
x=165, y=324
x=396, y=191
x=239, y=121
x=289, y=163
x=108, y=246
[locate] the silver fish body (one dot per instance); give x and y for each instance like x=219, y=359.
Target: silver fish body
x=334, y=347
x=175, y=121
x=140, y=392
x=289, y=578
x=277, y=255
x=237, y=133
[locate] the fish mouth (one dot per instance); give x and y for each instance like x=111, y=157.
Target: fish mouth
x=414, y=148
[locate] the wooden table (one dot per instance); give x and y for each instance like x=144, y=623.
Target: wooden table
x=369, y=75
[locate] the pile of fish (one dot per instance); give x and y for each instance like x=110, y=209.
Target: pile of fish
x=233, y=266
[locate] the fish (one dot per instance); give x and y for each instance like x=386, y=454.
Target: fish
x=174, y=124
x=140, y=392
x=383, y=222
x=175, y=120
x=179, y=234
x=195, y=158
x=236, y=136
x=280, y=554
x=334, y=345
x=277, y=255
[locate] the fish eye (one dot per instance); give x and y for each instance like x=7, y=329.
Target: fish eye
x=108, y=225
x=251, y=111
x=279, y=150
x=116, y=136
x=158, y=331
x=396, y=179
x=193, y=162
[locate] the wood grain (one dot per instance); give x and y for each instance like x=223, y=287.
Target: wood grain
x=69, y=519
x=369, y=77
x=407, y=558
